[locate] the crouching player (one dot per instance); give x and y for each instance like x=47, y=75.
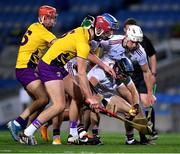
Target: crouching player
x=106, y=86
x=129, y=45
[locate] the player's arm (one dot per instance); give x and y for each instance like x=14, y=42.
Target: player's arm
x=93, y=58
x=84, y=83
x=153, y=63
x=151, y=52
x=132, y=88
x=148, y=82
x=82, y=66
x=147, y=77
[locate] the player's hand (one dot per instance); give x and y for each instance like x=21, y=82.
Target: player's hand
x=109, y=70
x=151, y=99
x=134, y=110
x=93, y=103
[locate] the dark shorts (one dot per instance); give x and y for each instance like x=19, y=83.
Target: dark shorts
x=51, y=72
x=26, y=75
x=140, y=83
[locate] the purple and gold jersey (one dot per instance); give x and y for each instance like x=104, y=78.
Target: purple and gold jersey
x=72, y=44
x=35, y=40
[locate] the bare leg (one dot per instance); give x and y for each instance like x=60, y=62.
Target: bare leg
x=121, y=104
x=55, y=89
x=125, y=93
x=37, y=90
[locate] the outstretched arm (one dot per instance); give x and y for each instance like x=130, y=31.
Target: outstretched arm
x=148, y=82
x=153, y=63
x=84, y=83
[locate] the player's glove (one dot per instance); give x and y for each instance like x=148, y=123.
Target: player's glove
x=134, y=110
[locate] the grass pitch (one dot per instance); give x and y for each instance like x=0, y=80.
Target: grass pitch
x=113, y=143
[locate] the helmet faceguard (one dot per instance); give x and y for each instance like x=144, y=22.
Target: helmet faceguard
x=103, y=29
x=123, y=67
x=47, y=16
x=134, y=33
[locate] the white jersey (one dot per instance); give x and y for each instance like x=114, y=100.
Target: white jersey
x=69, y=66
x=106, y=84
x=113, y=49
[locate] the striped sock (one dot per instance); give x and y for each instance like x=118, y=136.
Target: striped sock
x=29, y=131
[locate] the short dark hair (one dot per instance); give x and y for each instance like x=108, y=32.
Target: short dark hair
x=130, y=21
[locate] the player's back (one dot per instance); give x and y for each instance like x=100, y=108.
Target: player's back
x=71, y=44
x=34, y=41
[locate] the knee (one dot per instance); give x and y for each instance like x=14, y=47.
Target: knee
x=58, y=108
x=44, y=100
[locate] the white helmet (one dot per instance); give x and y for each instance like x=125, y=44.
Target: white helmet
x=134, y=33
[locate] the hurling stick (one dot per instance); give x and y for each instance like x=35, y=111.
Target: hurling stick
x=145, y=129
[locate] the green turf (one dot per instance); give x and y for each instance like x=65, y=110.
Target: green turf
x=113, y=143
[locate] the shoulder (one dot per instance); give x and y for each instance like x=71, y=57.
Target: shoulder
x=36, y=25
x=116, y=39
x=81, y=30
x=140, y=51
x=81, y=34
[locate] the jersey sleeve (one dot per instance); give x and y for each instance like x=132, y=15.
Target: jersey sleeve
x=104, y=44
x=143, y=59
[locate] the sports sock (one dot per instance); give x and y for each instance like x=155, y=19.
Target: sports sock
x=73, y=128
x=81, y=130
x=20, y=122
x=29, y=131
x=56, y=133
x=153, y=118
x=95, y=131
x=130, y=137
x=129, y=132
x=142, y=137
